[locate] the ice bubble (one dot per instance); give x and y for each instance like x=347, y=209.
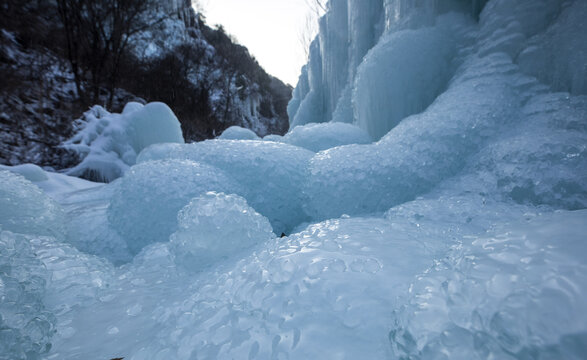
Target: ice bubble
x=31, y=172
x=271, y=174
x=238, y=133
x=318, y=137
x=215, y=226
x=24, y=208
x=27, y=325
x=145, y=204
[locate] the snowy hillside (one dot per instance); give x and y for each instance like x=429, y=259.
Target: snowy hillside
x=428, y=202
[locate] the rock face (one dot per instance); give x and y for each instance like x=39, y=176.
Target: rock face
x=210, y=82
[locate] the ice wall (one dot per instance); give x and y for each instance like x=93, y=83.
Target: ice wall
x=365, y=68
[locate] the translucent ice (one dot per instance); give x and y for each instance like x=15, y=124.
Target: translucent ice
x=215, y=226
x=146, y=201
x=270, y=174
x=26, y=325
x=317, y=137
x=401, y=76
x=421, y=151
x=24, y=208
x=238, y=133
x=514, y=293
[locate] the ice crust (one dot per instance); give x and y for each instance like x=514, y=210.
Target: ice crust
x=109, y=143
x=318, y=137
x=24, y=208
x=458, y=234
x=238, y=133
x=216, y=226
x=270, y=174
x=144, y=206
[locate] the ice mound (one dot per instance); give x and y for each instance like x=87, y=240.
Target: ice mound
x=318, y=137
x=270, y=174
x=31, y=172
x=215, y=226
x=422, y=150
x=109, y=143
x=26, y=325
x=238, y=133
x=517, y=292
x=24, y=208
x=328, y=289
x=88, y=228
x=145, y=203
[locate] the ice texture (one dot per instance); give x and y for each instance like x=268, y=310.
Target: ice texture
x=270, y=174
x=238, y=133
x=514, y=293
x=401, y=76
x=318, y=137
x=26, y=325
x=145, y=202
x=24, y=208
x=216, y=226
x=109, y=143
x=458, y=234
x=31, y=172
x=421, y=151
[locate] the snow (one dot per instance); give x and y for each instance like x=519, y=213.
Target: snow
x=109, y=143
x=459, y=233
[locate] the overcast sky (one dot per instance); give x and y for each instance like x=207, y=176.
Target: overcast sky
x=268, y=28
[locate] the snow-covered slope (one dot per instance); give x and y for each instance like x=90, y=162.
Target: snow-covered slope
x=459, y=234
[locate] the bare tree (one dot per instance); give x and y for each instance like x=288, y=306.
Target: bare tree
x=98, y=34
x=315, y=9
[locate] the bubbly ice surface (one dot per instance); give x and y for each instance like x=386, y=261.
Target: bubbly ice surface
x=458, y=234
x=144, y=206
x=318, y=137
x=238, y=133
x=215, y=226
x=270, y=174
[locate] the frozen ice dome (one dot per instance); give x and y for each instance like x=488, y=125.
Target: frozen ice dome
x=215, y=226
x=145, y=203
x=109, y=143
x=270, y=174
x=31, y=172
x=318, y=137
x=238, y=133
x=24, y=208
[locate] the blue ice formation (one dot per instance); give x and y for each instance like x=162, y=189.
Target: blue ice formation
x=431, y=192
x=109, y=143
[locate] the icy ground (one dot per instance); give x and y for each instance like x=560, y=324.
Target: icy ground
x=459, y=234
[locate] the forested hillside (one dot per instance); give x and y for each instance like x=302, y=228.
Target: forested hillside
x=58, y=58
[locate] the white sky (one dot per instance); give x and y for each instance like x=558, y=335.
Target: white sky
x=268, y=28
